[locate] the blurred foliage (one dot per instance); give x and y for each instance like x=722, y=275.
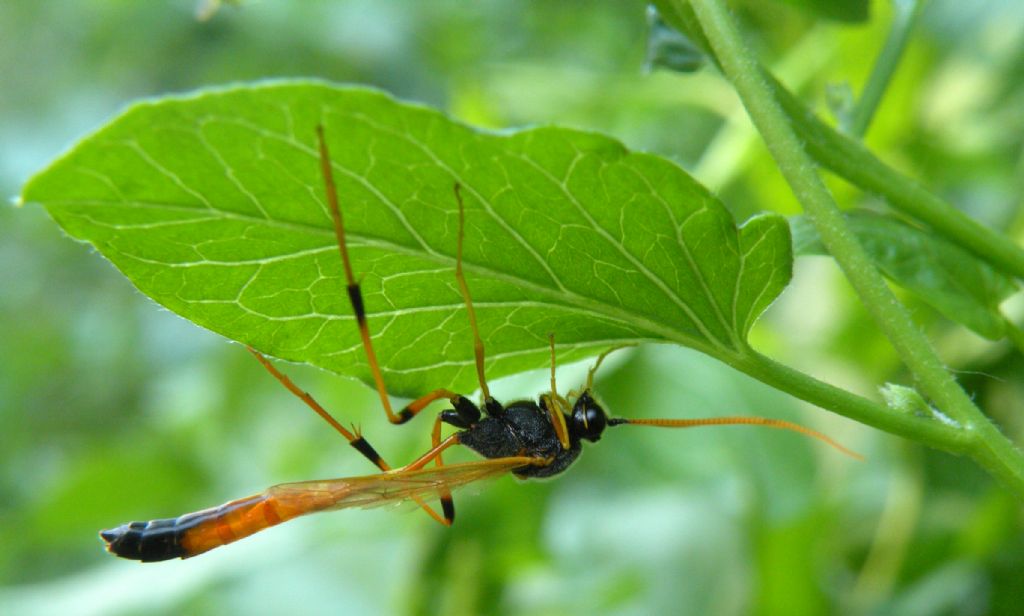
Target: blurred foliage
x=961, y=286
x=113, y=409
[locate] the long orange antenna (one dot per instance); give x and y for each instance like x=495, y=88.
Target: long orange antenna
x=733, y=421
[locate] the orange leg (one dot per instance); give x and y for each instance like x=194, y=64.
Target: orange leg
x=355, y=439
x=478, y=344
x=555, y=402
x=355, y=296
x=435, y=452
x=447, y=504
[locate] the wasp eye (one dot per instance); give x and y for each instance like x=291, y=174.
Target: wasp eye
x=588, y=418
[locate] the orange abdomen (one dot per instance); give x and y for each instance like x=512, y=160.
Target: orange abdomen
x=195, y=533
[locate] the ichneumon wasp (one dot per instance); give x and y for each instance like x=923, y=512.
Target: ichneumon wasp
x=529, y=439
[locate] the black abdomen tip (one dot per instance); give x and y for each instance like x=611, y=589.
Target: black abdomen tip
x=145, y=541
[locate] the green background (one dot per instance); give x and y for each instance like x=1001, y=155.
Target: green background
x=113, y=409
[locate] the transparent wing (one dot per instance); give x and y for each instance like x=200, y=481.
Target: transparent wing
x=201, y=531
x=385, y=488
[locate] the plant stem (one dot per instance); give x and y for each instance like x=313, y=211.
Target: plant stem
x=905, y=17
x=985, y=442
x=922, y=429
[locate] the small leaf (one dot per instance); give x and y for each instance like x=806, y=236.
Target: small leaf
x=670, y=49
x=680, y=15
x=953, y=281
x=905, y=399
x=213, y=205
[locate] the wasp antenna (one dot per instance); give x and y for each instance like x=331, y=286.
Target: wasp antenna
x=734, y=421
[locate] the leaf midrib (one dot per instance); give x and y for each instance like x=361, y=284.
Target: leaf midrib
x=427, y=151
x=685, y=308
x=572, y=299
x=560, y=185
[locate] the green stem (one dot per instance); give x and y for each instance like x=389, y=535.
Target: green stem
x=905, y=17
x=998, y=455
x=922, y=429
x=985, y=443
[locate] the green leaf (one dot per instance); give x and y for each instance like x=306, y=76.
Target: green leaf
x=670, y=49
x=905, y=400
x=679, y=15
x=953, y=281
x=213, y=205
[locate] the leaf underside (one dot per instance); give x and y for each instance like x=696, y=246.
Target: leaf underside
x=958, y=284
x=213, y=205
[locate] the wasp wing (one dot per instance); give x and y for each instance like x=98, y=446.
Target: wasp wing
x=384, y=488
x=201, y=531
